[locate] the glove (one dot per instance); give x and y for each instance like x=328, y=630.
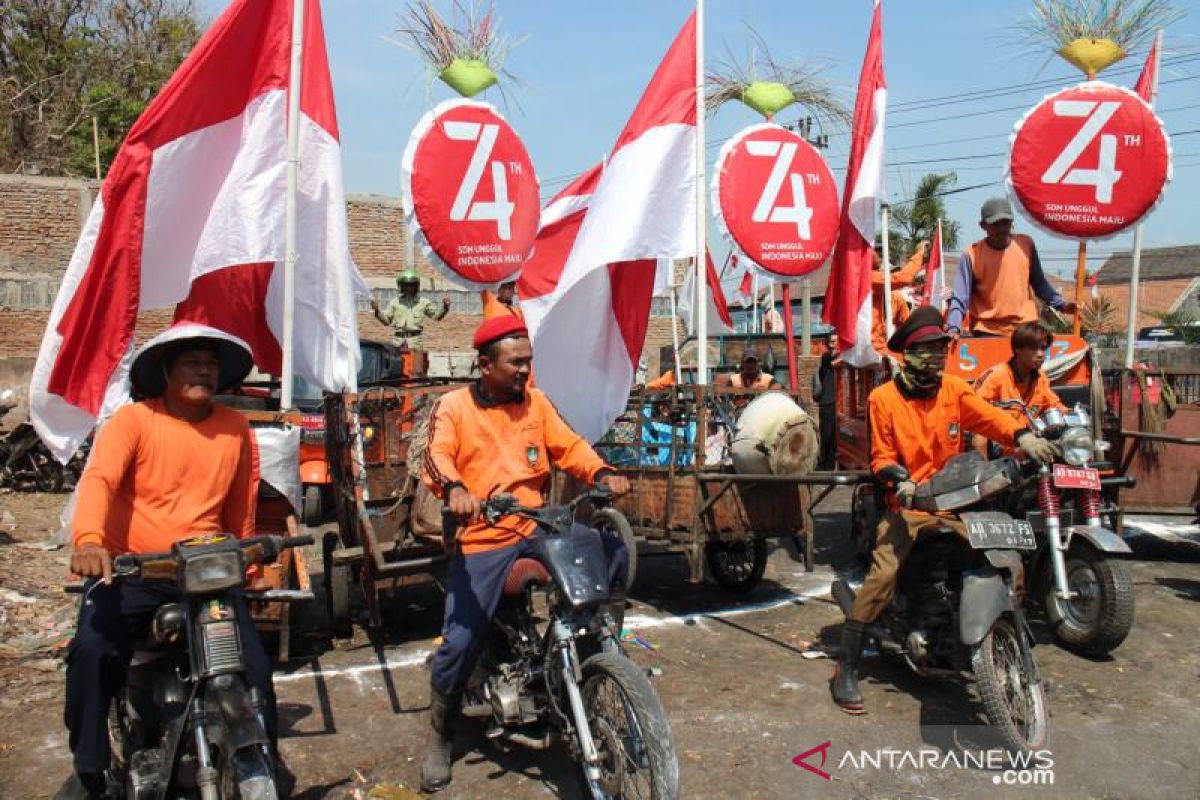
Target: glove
x=904, y=493
x=1038, y=448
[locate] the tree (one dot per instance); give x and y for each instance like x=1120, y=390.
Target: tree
x=915, y=221
x=63, y=62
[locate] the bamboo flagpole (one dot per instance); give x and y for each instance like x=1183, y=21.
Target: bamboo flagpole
x=1080, y=268
x=293, y=182
x=1139, y=233
x=701, y=305
x=675, y=333
x=940, y=288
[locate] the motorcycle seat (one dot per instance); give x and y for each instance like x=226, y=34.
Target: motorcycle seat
x=524, y=571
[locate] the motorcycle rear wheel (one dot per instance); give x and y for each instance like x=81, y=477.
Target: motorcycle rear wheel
x=1014, y=705
x=1097, y=621
x=631, y=730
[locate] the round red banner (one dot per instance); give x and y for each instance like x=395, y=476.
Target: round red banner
x=776, y=201
x=1089, y=161
x=471, y=193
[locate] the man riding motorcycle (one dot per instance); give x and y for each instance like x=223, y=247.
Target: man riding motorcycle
x=917, y=422
x=497, y=436
x=169, y=467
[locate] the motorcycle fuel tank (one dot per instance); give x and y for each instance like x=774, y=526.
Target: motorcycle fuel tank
x=966, y=479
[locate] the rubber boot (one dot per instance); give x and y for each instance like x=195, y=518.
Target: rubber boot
x=845, y=676
x=444, y=710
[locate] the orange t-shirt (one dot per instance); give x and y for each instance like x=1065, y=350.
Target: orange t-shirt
x=921, y=434
x=154, y=479
x=900, y=279
x=492, y=307
x=498, y=448
x=1000, y=383
x=763, y=381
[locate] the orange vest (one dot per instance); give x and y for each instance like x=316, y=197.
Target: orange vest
x=1002, y=297
x=763, y=381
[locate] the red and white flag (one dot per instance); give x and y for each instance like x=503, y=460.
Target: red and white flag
x=1146, y=81
x=933, y=270
x=848, y=296
x=720, y=321
x=586, y=289
x=191, y=216
x=745, y=286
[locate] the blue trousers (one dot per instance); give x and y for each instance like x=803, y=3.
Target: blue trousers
x=110, y=624
x=474, y=585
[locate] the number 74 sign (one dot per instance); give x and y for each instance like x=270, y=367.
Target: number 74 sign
x=470, y=192
x=1089, y=161
x=776, y=200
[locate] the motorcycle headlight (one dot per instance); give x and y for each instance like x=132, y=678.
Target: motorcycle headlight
x=1077, y=446
x=212, y=572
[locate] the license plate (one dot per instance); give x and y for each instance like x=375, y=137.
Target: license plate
x=312, y=422
x=1076, y=477
x=1001, y=534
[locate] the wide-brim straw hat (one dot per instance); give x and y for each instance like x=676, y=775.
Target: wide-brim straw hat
x=234, y=358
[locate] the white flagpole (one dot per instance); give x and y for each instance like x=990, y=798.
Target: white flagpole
x=675, y=333
x=940, y=286
x=293, y=181
x=887, y=277
x=754, y=302
x=701, y=222
x=1139, y=233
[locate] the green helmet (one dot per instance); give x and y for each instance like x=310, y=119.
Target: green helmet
x=409, y=275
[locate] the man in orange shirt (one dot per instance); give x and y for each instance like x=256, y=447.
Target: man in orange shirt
x=1021, y=377
x=900, y=279
x=917, y=422
x=167, y=468
x=749, y=375
x=500, y=304
x=496, y=436
x=998, y=277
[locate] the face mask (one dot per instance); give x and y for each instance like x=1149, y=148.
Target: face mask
x=922, y=373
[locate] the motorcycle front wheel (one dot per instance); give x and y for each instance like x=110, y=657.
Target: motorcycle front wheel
x=249, y=775
x=1100, y=615
x=1014, y=704
x=631, y=731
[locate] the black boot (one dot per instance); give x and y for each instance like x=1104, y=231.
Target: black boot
x=845, y=677
x=444, y=710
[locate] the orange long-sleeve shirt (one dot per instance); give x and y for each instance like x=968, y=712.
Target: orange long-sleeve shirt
x=496, y=448
x=900, y=279
x=921, y=434
x=1000, y=383
x=154, y=479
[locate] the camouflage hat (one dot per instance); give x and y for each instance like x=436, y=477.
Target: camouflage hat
x=408, y=276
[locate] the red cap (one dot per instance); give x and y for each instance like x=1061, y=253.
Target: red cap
x=498, y=328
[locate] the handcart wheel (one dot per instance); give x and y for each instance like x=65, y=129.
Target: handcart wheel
x=612, y=521
x=737, y=565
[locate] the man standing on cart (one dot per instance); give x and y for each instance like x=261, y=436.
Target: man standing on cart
x=406, y=314
x=917, y=423
x=496, y=436
x=998, y=278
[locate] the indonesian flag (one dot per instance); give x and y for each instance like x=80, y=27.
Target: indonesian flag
x=933, y=269
x=1145, y=82
x=586, y=289
x=191, y=216
x=745, y=287
x=848, y=296
x=720, y=322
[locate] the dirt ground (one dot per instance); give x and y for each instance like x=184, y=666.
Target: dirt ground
x=744, y=679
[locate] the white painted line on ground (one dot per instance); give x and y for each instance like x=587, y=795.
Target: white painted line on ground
x=409, y=660
x=643, y=621
x=418, y=657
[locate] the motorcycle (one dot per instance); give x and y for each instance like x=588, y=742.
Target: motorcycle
x=186, y=722
x=956, y=608
x=1076, y=575
x=553, y=670
x=25, y=463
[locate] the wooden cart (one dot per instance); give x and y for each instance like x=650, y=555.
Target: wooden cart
x=685, y=495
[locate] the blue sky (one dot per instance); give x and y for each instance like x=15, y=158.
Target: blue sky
x=584, y=64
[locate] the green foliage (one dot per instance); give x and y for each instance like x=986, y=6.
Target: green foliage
x=916, y=221
x=1129, y=23
x=63, y=62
